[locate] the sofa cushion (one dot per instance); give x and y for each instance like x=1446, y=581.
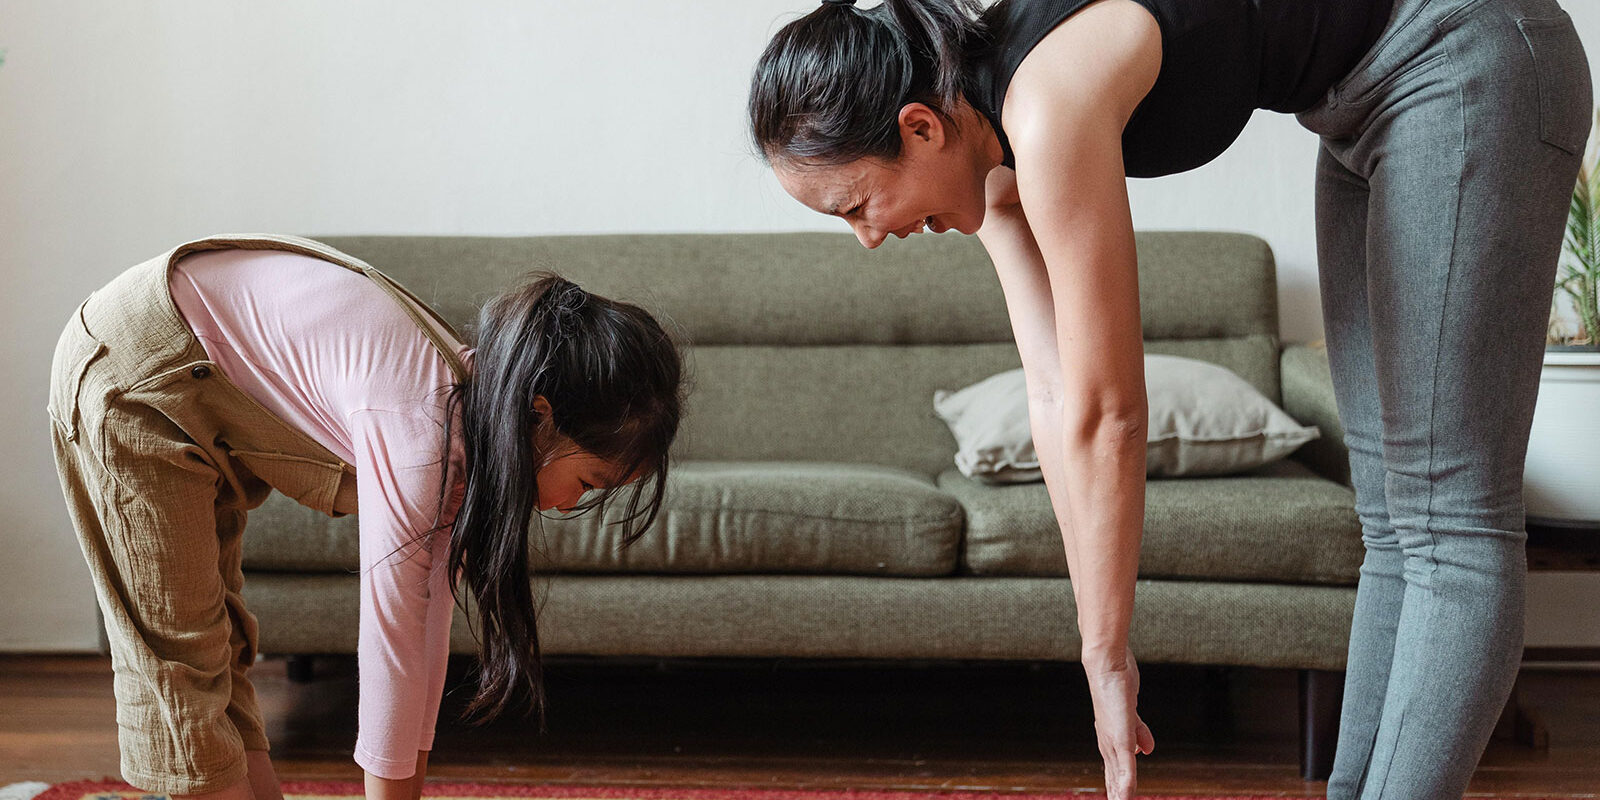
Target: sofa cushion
x=1204, y=420
x=784, y=288
x=778, y=517
x=854, y=617
x=1279, y=524
x=719, y=517
x=788, y=368
x=868, y=404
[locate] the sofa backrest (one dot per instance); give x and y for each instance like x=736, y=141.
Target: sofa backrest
x=804, y=346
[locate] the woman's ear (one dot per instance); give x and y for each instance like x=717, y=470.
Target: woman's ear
x=921, y=126
x=541, y=406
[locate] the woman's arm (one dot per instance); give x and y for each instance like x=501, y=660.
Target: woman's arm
x=1031, y=307
x=1068, y=240
x=1086, y=411
x=1113, y=683
x=1065, y=250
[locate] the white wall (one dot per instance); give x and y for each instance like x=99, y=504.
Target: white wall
x=126, y=127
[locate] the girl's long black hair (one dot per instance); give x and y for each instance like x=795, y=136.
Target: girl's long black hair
x=613, y=379
x=830, y=85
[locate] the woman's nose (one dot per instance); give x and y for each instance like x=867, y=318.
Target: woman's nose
x=869, y=237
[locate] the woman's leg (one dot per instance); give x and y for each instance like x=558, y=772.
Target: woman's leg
x=1468, y=169
x=1342, y=200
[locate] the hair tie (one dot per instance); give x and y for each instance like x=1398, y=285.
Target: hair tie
x=562, y=302
x=838, y=2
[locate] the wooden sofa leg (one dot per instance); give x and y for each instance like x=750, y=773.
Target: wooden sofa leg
x=1321, y=694
x=302, y=668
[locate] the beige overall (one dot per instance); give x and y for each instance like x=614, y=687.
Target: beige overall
x=160, y=456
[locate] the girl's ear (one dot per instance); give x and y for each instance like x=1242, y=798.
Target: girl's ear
x=544, y=440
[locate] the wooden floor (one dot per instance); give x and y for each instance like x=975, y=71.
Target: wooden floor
x=1008, y=727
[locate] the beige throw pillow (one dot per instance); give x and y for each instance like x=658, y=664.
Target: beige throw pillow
x=1204, y=420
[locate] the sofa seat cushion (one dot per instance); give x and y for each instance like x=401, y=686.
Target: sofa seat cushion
x=719, y=517
x=1280, y=523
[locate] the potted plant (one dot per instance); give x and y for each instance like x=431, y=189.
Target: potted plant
x=1564, y=448
x=1578, y=279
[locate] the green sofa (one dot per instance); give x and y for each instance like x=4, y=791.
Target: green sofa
x=816, y=511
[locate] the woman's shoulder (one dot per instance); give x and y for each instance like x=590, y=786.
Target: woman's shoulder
x=1012, y=28
x=1102, y=61
x=1057, y=57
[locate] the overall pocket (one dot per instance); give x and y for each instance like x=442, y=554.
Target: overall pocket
x=1563, y=79
x=76, y=350
x=310, y=482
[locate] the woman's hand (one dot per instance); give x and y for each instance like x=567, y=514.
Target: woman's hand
x=1117, y=727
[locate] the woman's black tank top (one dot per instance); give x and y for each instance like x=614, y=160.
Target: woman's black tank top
x=1221, y=60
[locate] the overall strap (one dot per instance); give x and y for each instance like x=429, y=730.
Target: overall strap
x=421, y=313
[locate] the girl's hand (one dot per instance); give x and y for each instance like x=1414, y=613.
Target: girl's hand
x=1121, y=734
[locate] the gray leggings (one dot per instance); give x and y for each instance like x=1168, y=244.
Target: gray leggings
x=1447, y=163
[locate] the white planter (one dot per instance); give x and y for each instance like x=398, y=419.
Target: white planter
x=1561, y=483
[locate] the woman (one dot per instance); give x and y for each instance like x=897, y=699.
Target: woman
x=1451, y=132
x=194, y=384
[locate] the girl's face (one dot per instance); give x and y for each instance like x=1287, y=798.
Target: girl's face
x=568, y=472
x=936, y=184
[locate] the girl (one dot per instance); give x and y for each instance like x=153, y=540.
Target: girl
x=1451, y=132
x=195, y=383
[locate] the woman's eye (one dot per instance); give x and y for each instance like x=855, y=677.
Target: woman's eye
x=586, y=486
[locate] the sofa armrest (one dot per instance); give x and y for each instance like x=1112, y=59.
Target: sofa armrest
x=1308, y=397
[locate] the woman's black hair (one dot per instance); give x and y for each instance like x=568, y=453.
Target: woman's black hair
x=829, y=87
x=613, y=379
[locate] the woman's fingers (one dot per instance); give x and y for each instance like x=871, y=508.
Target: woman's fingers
x=1121, y=734
x=1118, y=751
x=1121, y=769
x=1147, y=740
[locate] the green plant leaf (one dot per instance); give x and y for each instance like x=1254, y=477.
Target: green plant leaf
x=1591, y=259
x=1579, y=272
x=1580, y=222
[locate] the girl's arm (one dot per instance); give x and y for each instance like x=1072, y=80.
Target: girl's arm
x=403, y=641
x=398, y=789
x=1062, y=239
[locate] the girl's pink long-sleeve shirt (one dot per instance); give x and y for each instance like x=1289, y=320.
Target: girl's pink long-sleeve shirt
x=332, y=354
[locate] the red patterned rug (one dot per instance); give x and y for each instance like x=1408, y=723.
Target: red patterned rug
x=351, y=790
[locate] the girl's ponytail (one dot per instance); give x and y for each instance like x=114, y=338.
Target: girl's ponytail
x=613, y=379
x=830, y=85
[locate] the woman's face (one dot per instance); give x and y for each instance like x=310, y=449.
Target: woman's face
x=937, y=183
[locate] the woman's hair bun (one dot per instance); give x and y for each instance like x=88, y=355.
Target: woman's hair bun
x=829, y=87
